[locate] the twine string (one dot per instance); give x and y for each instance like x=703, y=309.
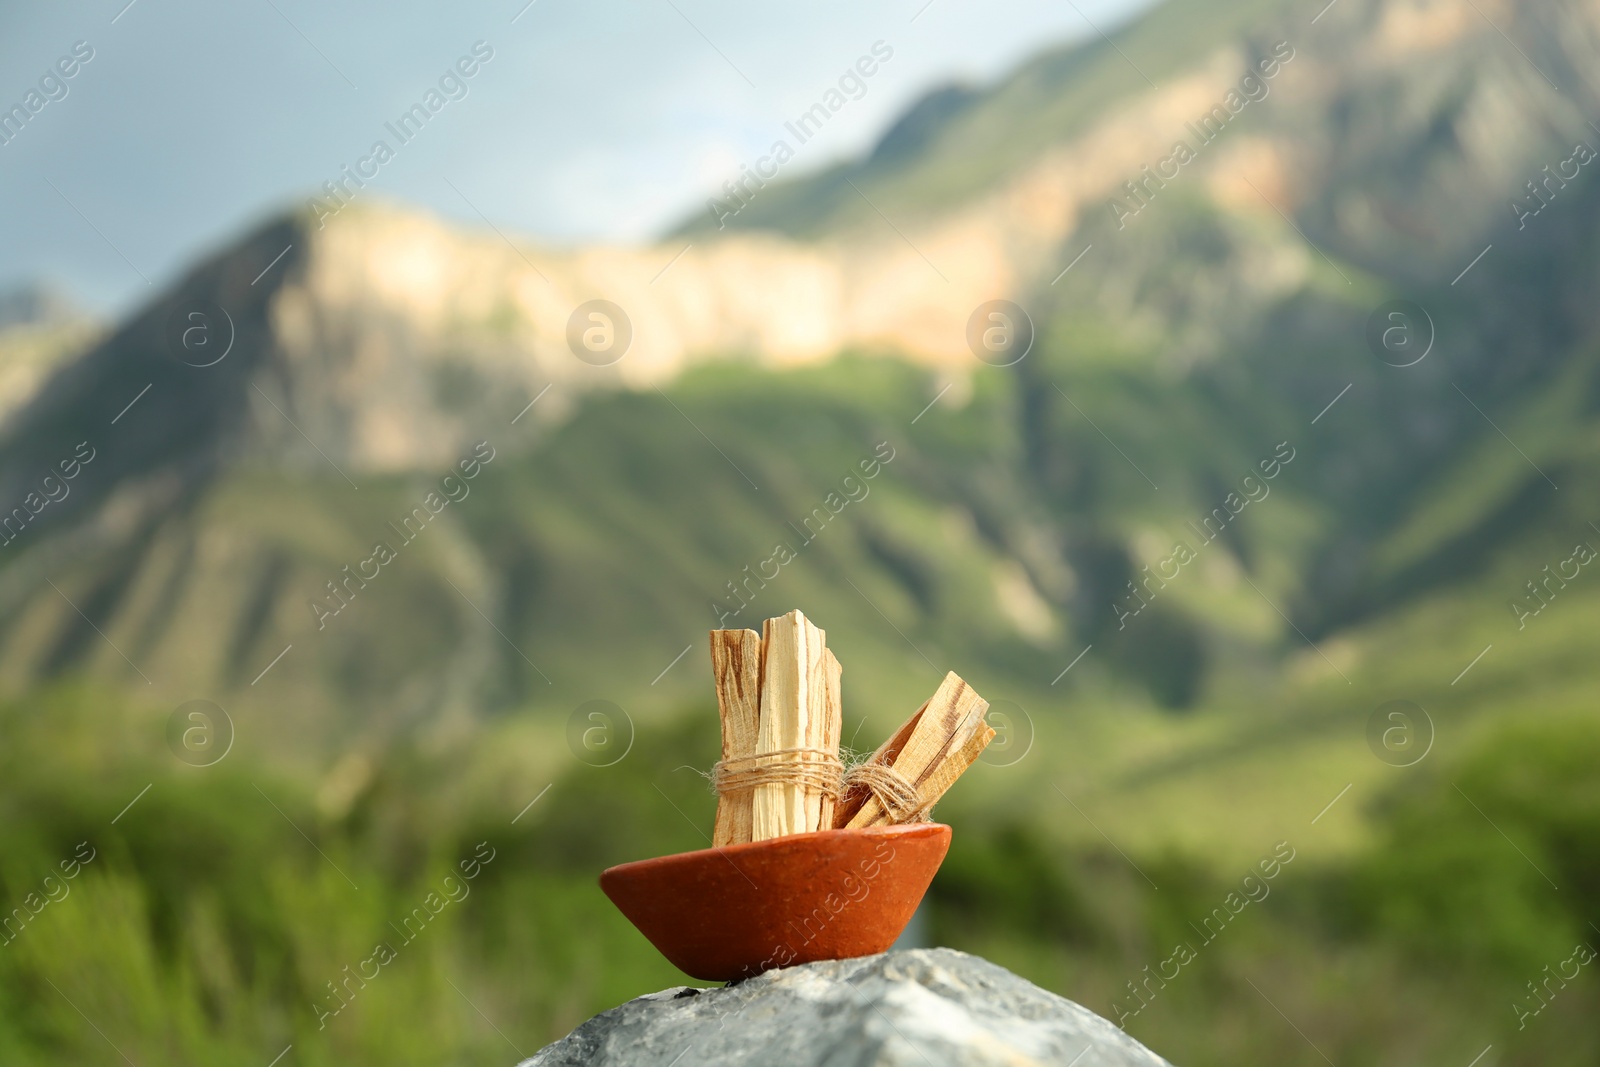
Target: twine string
x=812, y=768
x=820, y=771
x=892, y=789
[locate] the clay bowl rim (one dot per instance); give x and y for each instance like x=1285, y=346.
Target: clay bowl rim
x=896, y=829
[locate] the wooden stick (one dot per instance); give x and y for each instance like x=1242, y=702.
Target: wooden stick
x=930, y=749
x=953, y=766
x=736, y=667
x=791, y=666
x=828, y=722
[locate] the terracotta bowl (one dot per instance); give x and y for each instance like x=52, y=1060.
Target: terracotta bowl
x=725, y=913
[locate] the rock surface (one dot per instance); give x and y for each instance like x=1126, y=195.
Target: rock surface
x=921, y=1008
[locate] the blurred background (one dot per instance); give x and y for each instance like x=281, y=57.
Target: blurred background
x=391, y=400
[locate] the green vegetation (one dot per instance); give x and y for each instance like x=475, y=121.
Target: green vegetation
x=208, y=921
x=218, y=908
x=1173, y=757
x=1176, y=754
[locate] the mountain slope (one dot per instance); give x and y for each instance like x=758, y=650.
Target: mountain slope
x=1213, y=329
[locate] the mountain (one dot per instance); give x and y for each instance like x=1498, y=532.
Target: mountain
x=35, y=305
x=1202, y=261
x=1263, y=514
x=39, y=327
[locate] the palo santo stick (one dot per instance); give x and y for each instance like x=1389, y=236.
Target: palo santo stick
x=828, y=721
x=736, y=667
x=953, y=765
x=930, y=750
x=791, y=655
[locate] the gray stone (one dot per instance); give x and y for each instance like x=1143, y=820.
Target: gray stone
x=931, y=1007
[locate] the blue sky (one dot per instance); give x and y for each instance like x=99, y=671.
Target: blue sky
x=592, y=121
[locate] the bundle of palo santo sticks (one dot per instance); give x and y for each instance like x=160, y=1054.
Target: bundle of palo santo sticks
x=780, y=772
